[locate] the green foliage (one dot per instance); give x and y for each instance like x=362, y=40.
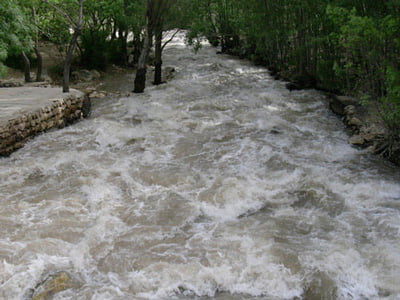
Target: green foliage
x=390, y=107
x=94, y=49
x=343, y=46
x=15, y=31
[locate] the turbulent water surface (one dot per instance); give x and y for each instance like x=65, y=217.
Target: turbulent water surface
x=219, y=184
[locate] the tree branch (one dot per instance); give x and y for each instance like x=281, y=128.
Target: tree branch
x=170, y=39
x=61, y=12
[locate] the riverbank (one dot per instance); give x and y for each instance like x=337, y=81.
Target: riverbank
x=364, y=121
x=28, y=111
x=367, y=129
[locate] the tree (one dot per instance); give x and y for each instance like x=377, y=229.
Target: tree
x=140, y=79
x=15, y=31
x=108, y=25
x=74, y=18
x=36, y=45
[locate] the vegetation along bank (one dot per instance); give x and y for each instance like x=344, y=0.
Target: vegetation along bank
x=342, y=47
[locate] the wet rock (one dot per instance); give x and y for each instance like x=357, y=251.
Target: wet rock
x=357, y=140
x=89, y=90
x=97, y=95
x=336, y=106
x=54, y=284
x=346, y=100
x=275, y=130
x=350, y=110
x=353, y=121
x=372, y=133
x=321, y=286
x=168, y=73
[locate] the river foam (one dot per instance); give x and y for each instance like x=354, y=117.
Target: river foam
x=220, y=184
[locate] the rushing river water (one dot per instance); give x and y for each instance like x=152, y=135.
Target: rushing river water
x=219, y=184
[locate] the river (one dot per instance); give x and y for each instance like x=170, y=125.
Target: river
x=219, y=184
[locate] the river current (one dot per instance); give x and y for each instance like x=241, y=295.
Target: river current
x=219, y=184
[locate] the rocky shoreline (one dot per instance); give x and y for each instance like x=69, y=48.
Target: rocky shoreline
x=364, y=122
x=366, y=127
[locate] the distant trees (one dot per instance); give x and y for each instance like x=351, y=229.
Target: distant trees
x=337, y=45
x=98, y=29
x=343, y=46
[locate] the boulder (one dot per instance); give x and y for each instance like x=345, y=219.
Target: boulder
x=168, y=73
x=54, y=284
x=372, y=133
x=338, y=103
x=353, y=121
x=97, y=95
x=350, y=110
x=357, y=140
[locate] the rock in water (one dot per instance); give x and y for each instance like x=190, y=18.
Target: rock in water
x=54, y=284
x=357, y=140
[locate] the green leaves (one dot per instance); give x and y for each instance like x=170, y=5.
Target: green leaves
x=15, y=31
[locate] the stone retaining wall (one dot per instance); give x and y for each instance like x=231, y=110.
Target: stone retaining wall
x=62, y=112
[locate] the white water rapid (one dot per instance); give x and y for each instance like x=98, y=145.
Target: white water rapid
x=220, y=184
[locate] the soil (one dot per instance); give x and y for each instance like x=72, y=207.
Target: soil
x=115, y=80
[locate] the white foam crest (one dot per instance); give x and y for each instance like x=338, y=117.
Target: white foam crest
x=353, y=278
x=26, y=276
x=261, y=278
x=230, y=198
x=115, y=134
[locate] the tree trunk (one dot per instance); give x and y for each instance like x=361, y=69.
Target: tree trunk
x=140, y=79
x=123, y=36
x=158, y=58
x=36, y=48
x=27, y=68
x=71, y=48
x=68, y=61
x=39, y=63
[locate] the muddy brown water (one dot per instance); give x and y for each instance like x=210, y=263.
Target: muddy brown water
x=219, y=184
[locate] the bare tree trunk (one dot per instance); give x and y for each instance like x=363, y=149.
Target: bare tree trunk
x=71, y=49
x=68, y=61
x=77, y=26
x=140, y=79
x=123, y=36
x=158, y=58
x=27, y=68
x=36, y=48
x=39, y=63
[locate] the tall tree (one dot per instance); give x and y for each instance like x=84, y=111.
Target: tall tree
x=74, y=19
x=39, y=57
x=140, y=79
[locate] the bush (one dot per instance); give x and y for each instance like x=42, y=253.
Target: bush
x=390, y=104
x=94, y=49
